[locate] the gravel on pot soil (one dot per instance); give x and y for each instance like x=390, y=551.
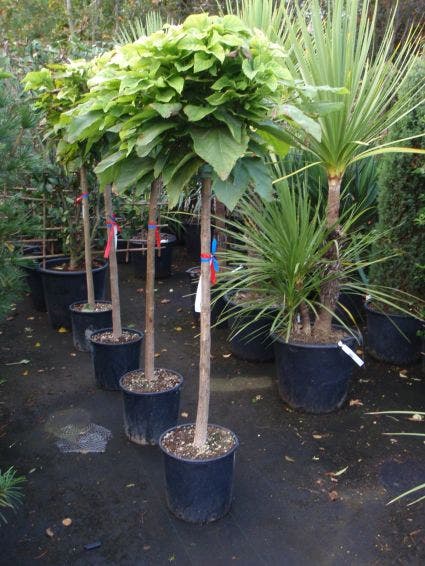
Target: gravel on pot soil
x=179, y=442
x=107, y=337
x=98, y=307
x=163, y=380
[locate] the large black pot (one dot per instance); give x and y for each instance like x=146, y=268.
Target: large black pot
x=163, y=262
x=313, y=377
x=35, y=284
x=393, y=338
x=148, y=414
x=352, y=303
x=112, y=361
x=199, y=491
x=250, y=339
x=218, y=306
x=62, y=288
x=84, y=323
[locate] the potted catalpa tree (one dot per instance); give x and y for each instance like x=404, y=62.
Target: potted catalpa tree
x=70, y=286
x=189, y=99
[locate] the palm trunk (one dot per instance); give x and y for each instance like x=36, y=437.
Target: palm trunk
x=150, y=283
x=113, y=270
x=87, y=238
x=201, y=428
x=329, y=292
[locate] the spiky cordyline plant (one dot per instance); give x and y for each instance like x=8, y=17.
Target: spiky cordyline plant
x=338, y=51
x=10, y=491
x=283, y=247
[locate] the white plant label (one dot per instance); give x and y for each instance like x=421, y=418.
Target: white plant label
x=351, y=353
x=198, y=295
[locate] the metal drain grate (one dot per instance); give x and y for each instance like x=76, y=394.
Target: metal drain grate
x=76, y=433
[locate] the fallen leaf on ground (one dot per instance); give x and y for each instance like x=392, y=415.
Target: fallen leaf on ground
x=146, y=546
x=179, y=309
x=25, y=372
x=289, y=459
x=130, y=485
x=333, y=495
x=66, y=522
x=338, y=473
x=165, y=301
x=184, y=415
x=157, y=355
x=355, y=403
x=18, y=363
x=62, y=330
x=226, y=355
x=317, y=436
x=178, y=328
x=50, y=533
x=73, y=354
x=30, y=317
x=257, y=398
x=403, y=373
x=37, y=345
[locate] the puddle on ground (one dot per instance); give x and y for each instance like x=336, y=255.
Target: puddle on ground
x=75, y=433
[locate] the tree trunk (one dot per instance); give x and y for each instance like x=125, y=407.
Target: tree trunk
x=305, y=319
x=205, y=340
x=68, y=8
x=329, y=292
x=113, y=268
x=94, y=19
x=220, y=222
x=87, y=238
x=150, y=282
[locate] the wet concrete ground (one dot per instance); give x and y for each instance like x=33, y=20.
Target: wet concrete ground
x=288, y=507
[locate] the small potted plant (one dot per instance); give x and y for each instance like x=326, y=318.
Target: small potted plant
x=393, y=334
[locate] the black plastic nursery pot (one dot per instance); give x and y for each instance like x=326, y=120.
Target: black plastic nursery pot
x=393, y=338
x=62, y=288
x=84, y=323
x=352, y=303
x=163, y=261
x=313, y=377
x=148, y=414
x=218, y=306
x=253, y=342
x=35, y=285
x=112, y=360
x=199, y=491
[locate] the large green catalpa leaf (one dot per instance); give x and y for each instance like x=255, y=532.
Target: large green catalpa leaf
x=218, y=148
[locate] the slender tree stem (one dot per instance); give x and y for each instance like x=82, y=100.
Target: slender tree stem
x=87, y=238
x=305, y=319
x=113, y=270
x=201, y=428
x=150, y=283
x=68, y=7
x=329, y=292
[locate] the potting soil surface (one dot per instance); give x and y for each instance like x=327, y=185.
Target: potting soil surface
x=309, y=489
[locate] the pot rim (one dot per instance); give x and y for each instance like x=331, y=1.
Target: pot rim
x=327, y=345
x=139, y=332
x=198, y=460
x=100, y=301
x=68, y=273
x=150, y=393
x=369, y=308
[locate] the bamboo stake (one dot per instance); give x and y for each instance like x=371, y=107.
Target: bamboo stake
x=87, y=239
x=44, y=232
x=150, y=283
x=201, y=428
x=113, y=271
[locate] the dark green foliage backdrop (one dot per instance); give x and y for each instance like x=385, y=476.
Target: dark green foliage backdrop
x=401, y=196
